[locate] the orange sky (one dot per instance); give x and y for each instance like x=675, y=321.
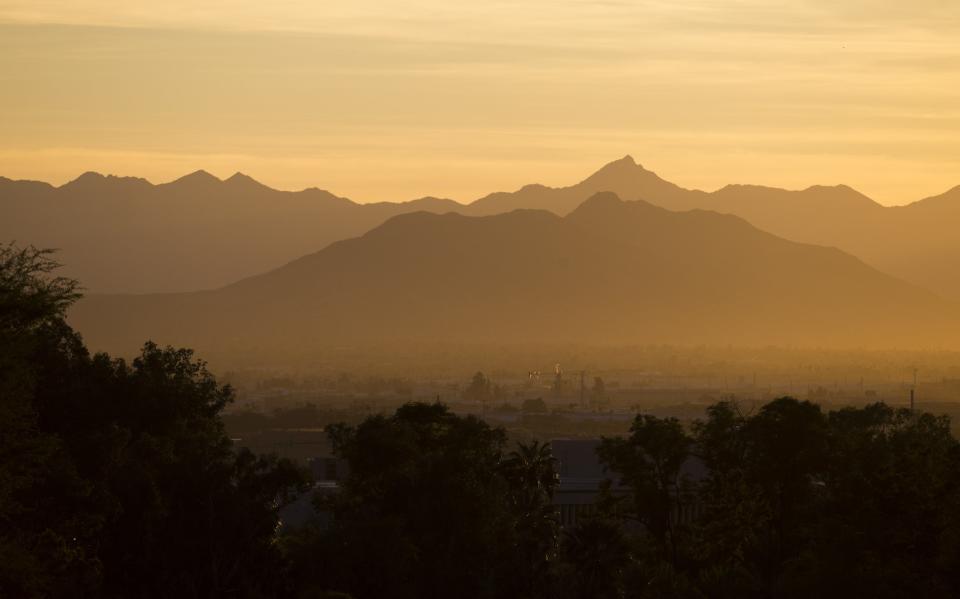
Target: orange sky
x=391, y=100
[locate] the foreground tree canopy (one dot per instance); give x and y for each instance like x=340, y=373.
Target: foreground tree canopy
x=117, y=479
x=860, y=502
x=786, y=502
x=433, y=507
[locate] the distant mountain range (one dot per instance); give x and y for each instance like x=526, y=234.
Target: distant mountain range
x=124, y=234
x=608, y=272
x=121, y=234
x=918, y=242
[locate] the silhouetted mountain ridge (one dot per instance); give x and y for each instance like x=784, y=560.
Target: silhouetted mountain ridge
x=227, y=230
x=241, y=181
x=530, y=276
x=624, y=177
x=196, y=232
x=916, y=242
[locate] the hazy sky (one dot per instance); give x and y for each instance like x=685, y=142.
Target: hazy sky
x=390, y=100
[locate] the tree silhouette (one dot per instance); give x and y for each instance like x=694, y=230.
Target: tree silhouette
x=532, y=479
x=117, y=478
x=649, y=463
x=45, y=544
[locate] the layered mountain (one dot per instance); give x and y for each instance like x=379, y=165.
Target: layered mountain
x=917, y=242
x=610, y=272
x=127, y=235
x=623, y=177
x=124, y=234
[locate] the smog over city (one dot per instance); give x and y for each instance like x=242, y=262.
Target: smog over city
x=534, y=300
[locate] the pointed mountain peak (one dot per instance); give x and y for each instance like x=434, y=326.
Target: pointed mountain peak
x=622, y=164
x=196, y=179
x=240, y=177
x=199, y=175
x=621, y=171
x=240, y=180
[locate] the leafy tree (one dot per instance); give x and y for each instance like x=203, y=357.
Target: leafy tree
x=191, y=515
x=886, y=516
x=786, y=447
x=436, y=505
x=858, y=502
x=765, y=472
x=649, y=464
x=120, y=480
x=42, y=539
x=735, y=510
x=425, y=500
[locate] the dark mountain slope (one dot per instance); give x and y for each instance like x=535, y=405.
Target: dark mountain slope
x=917, y=242
x=611, y=272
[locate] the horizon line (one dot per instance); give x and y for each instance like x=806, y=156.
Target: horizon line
x=241, y=176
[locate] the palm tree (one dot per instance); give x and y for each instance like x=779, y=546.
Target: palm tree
x=531, y=464
x=529, y=469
